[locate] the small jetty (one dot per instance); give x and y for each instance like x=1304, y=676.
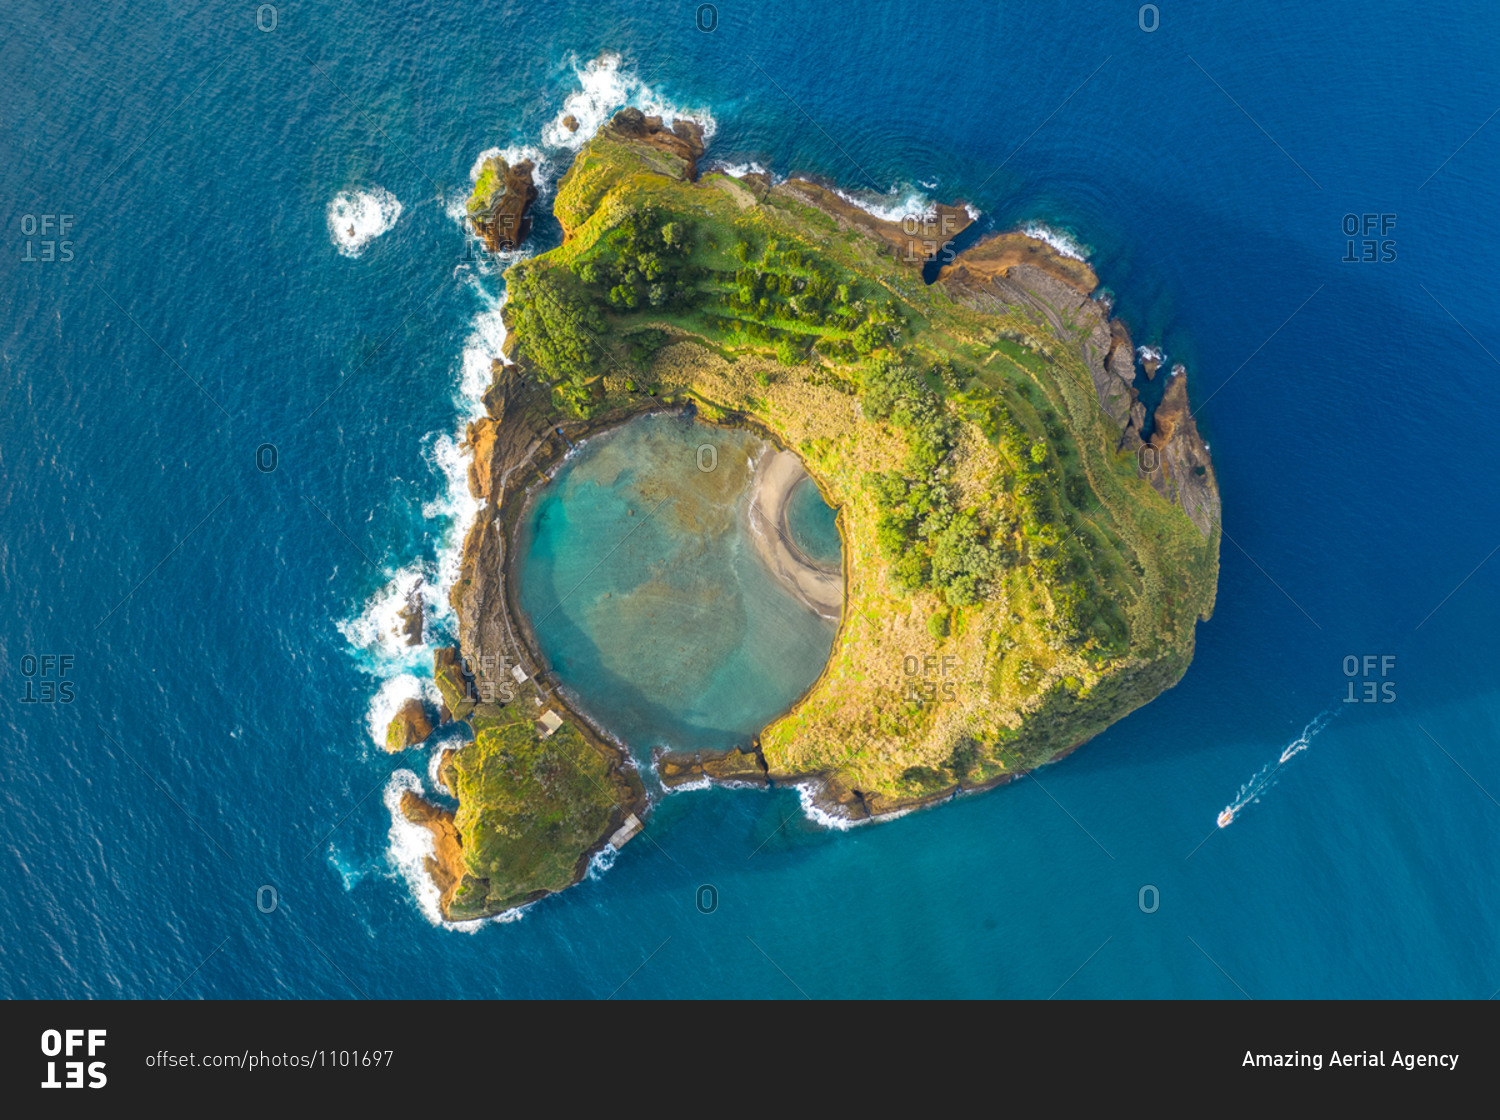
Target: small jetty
x=623, y=834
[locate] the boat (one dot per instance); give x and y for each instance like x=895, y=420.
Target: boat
x=1225, y=817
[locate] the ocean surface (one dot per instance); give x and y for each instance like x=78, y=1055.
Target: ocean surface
x=246, y=331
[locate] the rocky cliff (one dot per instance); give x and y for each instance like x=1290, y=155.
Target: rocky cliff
x=1014, y=270
x=500, y=207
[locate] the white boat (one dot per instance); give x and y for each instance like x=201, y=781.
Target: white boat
x=1225, y=817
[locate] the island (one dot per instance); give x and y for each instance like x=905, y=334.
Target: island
x=1026, y=552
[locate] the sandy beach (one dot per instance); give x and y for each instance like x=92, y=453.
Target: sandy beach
x=820, y=588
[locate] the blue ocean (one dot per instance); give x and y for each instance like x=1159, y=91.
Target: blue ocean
x=229, y=451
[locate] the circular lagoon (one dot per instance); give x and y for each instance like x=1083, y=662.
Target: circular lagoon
x=654, y=575
x=812, y=525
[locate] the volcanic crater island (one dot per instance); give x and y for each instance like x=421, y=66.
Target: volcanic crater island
x=1019, y=553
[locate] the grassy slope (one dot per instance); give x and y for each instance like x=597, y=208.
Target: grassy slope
x=527, y=808
x=1014, y=693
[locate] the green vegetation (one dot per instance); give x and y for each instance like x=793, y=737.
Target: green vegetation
x=988, y=517
x=527, y=808
x=448, y=674
x=931, y=541
x=484, y=187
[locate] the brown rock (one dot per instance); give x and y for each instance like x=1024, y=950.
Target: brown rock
x=683, y=140
x=502, y=214
x=453, y=685
x=410, y=727
x=758, y=183
x=446, y=865
x=735, y=766
x=913, y=240
x=1186, y=473
x=676, y=768
x=480, y=439
x=501, y=377
x=996, y=256
x=411, y=616
x=570, y=122
x=445, y=768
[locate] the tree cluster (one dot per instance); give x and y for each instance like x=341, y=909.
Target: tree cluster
x=641, y=262
x=929, y=540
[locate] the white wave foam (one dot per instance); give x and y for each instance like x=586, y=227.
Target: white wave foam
x=602, y=861
x=411, y=846
x=807, y=793
x=355, y=218
x=485, y=343
x=893, y=206
x=1150, y=354
x=458, y=507
x=456, y=504
x=378, y=629
x=1268, y=775
x=434, y=775
x=1064, y=243
x=739, y=170
x=392, y=694
x=544, y=174
x=606, y=86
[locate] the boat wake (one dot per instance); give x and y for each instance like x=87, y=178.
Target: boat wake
x=1268, y=774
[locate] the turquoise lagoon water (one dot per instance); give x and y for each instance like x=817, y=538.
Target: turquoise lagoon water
x=640, y=576
x=813, y=525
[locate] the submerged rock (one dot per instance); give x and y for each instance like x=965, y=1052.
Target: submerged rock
x=676, y=768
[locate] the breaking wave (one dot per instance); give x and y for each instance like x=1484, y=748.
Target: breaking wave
x=355, y=218
x=606, y=85
x=411, y=846
x=1065, y=243
x=894, y=205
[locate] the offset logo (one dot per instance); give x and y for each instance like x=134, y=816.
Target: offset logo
x=66, y=1044
x=1362, y=230
x=52, y=246
x=46, y=678
x=932, y=678
x=1363, y=668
